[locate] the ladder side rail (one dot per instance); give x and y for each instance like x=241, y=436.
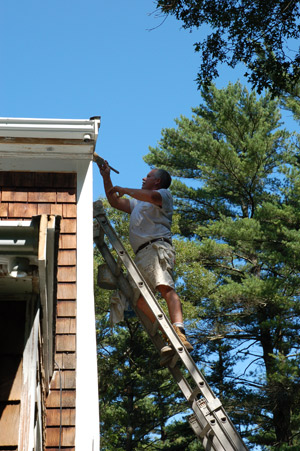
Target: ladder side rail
x=126, y=289
x=209, y=440
x=230, y=430
x=217, y=413
x=164, y=323
x=121, y=281
x=217, y=420
x=201, y=432
x=134, y=272
x=222, y=424
x=216, y=417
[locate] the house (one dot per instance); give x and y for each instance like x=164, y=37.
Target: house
x=48, y=371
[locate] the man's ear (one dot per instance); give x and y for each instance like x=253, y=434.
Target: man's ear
x=158, y=182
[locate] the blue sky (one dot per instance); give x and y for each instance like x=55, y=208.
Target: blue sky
x=77, y=59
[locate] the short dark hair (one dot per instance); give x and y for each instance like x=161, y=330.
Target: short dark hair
x=164, y=176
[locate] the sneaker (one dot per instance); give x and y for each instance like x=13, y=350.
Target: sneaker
x=183, y=339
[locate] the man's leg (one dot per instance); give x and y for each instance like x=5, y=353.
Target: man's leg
x=173, y=302
x=175, y=313
x=143, y=306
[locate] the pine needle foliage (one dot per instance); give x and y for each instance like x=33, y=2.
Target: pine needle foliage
x=236, y=191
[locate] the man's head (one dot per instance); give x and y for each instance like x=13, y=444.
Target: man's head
x=156, y=179
x=164, y=177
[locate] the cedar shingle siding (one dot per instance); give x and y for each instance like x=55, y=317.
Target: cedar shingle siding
x=23, y=195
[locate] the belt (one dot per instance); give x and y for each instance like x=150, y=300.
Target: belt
x=153, y=241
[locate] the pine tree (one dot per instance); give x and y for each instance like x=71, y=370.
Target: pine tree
x=239, y=221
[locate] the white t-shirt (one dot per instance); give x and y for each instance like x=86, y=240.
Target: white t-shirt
x=148, y=221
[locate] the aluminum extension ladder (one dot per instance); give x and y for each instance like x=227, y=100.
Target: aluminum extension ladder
x=209, y=420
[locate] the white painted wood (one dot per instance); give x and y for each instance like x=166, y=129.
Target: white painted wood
x=46, y=275
x=22, y=163
x=45, y=128
x=87, y=407
x=78, y=159
x=39, y=237
x=51, y=151
x=38, y=427
x=50, y=138
x=28, y=398
x=50, y=252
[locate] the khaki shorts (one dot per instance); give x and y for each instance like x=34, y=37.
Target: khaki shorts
x=156, y=263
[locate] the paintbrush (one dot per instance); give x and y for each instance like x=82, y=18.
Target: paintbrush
x=101, y=161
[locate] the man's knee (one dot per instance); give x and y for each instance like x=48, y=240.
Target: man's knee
x=164, y=289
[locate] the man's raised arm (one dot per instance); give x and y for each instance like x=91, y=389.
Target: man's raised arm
x=146, y=195
x=114, y=200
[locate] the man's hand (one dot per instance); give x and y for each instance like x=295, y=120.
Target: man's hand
x=100, y=162
x=117, y=190
x=104, y=170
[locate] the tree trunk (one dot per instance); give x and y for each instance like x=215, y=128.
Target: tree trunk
x=280, y=399
x=129, y=429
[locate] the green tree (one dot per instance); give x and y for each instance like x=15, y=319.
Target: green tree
x=241, y=267
x=260, y=34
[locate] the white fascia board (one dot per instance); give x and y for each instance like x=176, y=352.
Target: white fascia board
x=54, y=138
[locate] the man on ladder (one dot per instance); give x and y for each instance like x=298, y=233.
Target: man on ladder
x=151, y=209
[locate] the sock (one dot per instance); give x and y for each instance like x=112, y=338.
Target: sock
x=180, y=327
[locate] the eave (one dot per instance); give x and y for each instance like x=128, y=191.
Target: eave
x=51, y=138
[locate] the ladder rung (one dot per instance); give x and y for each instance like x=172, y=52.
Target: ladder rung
x=174, y=360
x=154, y=328
x=205, y=430
x=194, y=393
x=98, y=234
x=200, y=431
x=214, y=405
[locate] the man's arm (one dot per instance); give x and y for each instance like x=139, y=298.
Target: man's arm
x=146, y=195
x=114, y=200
